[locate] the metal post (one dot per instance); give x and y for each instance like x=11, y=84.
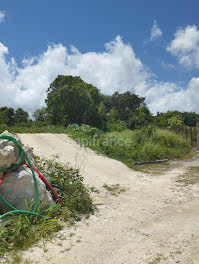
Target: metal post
x=197, y=131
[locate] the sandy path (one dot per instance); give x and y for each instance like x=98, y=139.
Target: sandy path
x=154, y=221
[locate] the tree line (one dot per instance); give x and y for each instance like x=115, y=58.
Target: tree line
x=10, y=117
x=71, y=100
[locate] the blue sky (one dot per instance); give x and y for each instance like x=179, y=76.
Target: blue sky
x=153, y=49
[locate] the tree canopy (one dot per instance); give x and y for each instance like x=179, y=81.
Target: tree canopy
x=9, y=116
x=125, y=104
x=71, y=100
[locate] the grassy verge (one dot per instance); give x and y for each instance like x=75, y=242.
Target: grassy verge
x=19, y=233
x=31, y=128
x=128, y=146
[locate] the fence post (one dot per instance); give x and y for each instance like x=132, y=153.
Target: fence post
x=197, y=131
x=191, y=136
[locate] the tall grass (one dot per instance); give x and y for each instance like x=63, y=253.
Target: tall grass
x=138, y=145
x=33, y=128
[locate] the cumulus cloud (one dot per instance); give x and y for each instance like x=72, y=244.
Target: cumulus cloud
x=156, y=32
x=185, y=46
x=115, y=69
x=164, y=96
x=2, y=16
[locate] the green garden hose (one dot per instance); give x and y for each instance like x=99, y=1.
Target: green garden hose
x=15, y=210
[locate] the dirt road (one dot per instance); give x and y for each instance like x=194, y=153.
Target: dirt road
x=155, y=220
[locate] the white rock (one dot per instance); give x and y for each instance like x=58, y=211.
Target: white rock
x=9, y=152
x=19, y=190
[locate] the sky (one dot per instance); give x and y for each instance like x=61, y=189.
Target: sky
x=150, y=48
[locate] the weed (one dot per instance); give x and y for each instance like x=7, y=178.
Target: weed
x=190, y=177
x=157, y=259
x=72, y=234
x=155, y=169
x=94, y=190
x=114, y=189
x=16, y=259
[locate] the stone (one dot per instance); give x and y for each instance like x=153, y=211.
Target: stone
x=19, y=190
x=9, y=152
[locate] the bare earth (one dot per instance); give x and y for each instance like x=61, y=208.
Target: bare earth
x=155, y=220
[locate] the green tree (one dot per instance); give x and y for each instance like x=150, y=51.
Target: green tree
x=175, y=122
x=114, y=123
x=71, y=100
x=170, y=119
x=6, y=116
x=190, y=118
x=142, y=117
x=20, y=116
x=40, y=114
x=126, y=104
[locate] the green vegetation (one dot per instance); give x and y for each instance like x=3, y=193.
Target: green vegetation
x=10, y=117
x=126, y=110
x=127, y=146
x=71, y=100
x=157, y=259
x=19, y=233
x=114, y=189
x=33, y=127
x=191, y=177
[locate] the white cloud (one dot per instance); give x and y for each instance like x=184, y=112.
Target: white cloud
x=156, y=32
x=115, y=69
x=170, y=96
x=166, y=66
x=2, y=16
x=185, y=46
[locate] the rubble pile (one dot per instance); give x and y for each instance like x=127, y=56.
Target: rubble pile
x=18, y=187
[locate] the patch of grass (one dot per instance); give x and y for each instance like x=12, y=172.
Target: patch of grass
x=157, y=259
x=16, y=258
x=32, y=128
x=20, y=233
x=94, y=190
x=129, y=146
x=114, y=189
x=155, y=169
x=191, y=177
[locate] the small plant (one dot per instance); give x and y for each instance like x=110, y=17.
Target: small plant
x=157, y=259
x=190, y=177
x=94, y=190
x=114, y=189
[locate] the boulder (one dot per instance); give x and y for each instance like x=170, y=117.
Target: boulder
x=19, y=190
x=9, y=152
